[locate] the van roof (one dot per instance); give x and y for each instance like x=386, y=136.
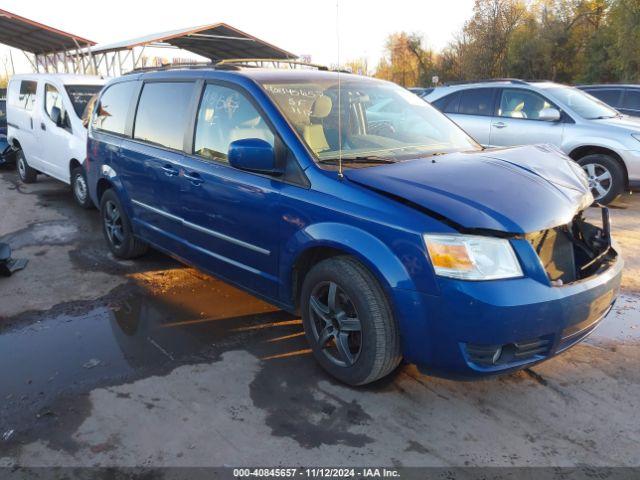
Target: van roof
x=63, y=78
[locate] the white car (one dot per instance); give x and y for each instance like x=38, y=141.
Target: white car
x=45, y=127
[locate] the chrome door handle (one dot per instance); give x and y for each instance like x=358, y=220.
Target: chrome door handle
x=194, y=178
x=500, y=125
x=169, y=170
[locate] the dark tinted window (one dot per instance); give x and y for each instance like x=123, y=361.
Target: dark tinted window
x=226, y=115
x=449, y=103
x=632, y=99
x=3, y=110
x=80, y=96
x=26, y=97
x=477, y=101
x=609, y=96
x=113, y=110
x=163, y=113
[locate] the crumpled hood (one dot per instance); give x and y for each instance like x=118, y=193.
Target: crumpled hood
x=514, y=190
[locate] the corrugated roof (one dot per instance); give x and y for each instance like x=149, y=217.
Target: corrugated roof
x=216, y=42
x=34, y=37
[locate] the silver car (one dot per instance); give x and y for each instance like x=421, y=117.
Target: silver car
x=510, y=112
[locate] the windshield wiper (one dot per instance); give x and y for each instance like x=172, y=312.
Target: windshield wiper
x=359, y=159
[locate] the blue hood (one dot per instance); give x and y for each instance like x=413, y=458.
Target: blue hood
x=515, y=190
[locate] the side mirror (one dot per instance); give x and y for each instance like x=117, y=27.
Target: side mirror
x=56, y=116
x=254, y=155
x=549, y=115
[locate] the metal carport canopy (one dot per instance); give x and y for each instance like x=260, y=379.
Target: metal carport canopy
x=216, y=42
x=36, y=38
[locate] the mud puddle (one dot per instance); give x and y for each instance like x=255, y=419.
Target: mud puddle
x=49, y=363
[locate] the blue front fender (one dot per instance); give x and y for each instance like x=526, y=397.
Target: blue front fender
x=373, y=253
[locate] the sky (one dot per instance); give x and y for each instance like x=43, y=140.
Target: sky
x=302, y=27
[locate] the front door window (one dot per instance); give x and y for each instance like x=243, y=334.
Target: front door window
x=522, y=104
x=226, y=115
x=54, y=107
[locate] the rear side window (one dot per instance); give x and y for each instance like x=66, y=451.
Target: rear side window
x=477, y=101
x=609, y=96
x=449, y=103
x=163, y=113
x=113, y=109
x=226, y=115
x=22, y=94
x=632, y=99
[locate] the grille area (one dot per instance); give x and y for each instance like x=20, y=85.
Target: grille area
x=574, y=251
x=496, y=355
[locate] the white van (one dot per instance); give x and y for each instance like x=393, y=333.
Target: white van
x=45, y=127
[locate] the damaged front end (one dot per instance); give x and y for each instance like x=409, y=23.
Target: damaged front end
x=575, y=251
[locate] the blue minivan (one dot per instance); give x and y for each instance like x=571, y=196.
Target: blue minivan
x=394, y=238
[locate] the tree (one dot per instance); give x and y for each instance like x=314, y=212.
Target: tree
x=358, y=66
x=624, y=24
x=407, y=61
x=568, y=41
x=489, y=33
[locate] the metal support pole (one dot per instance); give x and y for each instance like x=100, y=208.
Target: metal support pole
x=33, y=65
x=119, y=63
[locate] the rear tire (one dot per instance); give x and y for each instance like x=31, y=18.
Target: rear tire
x=348, y=321
x=606, y=176
x=116, y=228
x=79, y=188
x=25, y=172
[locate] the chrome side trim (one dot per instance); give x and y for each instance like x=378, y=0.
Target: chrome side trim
x=208, y=252
x=199, y=228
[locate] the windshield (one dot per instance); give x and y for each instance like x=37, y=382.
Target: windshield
x=375, y=122
x=3, y=110
x=80, y=96
x=583, y=104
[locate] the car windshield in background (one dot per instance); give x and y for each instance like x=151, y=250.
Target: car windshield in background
x=583, y=104
x=374, y=122
x=3, y=110
x=80, y=96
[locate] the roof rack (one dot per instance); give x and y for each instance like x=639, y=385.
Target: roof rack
x=231, y=64
x=516, y=81
x=263, y=62
x=171, y=66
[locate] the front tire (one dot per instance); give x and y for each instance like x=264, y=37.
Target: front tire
x=606, y=177
x=348, y=321
x=25, y=172
x=116, y=228
x=79, y=188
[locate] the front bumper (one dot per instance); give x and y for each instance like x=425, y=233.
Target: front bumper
x=446, y=334
x=631, y=160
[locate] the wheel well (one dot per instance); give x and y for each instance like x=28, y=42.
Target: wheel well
x=103, y=186
x=73, y=164
x=307, y=260
x=583, y=151
x=16, y=144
